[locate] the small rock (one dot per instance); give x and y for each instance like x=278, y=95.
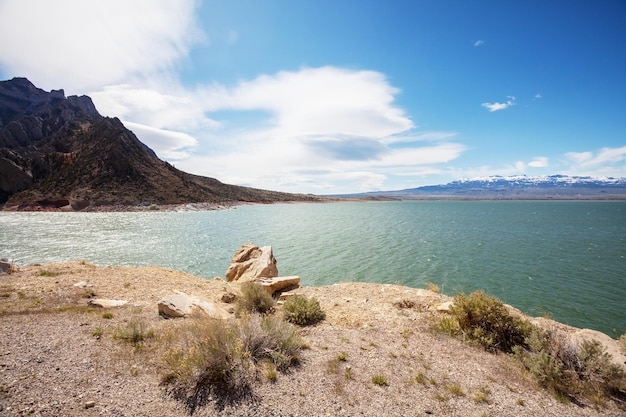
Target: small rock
x=102, y=303
x=228, y=297
x=90, y=404
x=445, y=307
x=83, y=284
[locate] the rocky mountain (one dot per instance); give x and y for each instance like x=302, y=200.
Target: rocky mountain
x=516, y=187
x=57, y=150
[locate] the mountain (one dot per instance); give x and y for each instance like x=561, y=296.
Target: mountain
x=514, y=187
x=56, y=150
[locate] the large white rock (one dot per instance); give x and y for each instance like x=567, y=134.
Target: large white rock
x=251, y=262
x=182, y=305
x=274, y=284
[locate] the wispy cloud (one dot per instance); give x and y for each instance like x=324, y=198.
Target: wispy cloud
x=603, y=157
x=539, y=162
x=496, y=106
x=479, y=42
x=87, y=44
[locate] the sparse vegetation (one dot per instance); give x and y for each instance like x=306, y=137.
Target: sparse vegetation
x=254, y=299
x=485, y=320
x=107, y=316
x=97, y=332
x=571, y=370
x=207, y=356
x=46, y=273
x=481, y=395
x=380, y=380
x=421, y=378
x=432, y=286
x=303, y=311
x=455, y=389
x=134, y=332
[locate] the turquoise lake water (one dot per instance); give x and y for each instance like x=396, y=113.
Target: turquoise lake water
x=562, y=259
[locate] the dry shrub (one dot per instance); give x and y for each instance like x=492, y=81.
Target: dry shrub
x=208, y=357
x=134, y=332
x=486, y=321
x=303, y=311
x=254, y=299
x=570, y=370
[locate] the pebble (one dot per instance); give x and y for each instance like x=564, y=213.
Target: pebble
x=90, y=404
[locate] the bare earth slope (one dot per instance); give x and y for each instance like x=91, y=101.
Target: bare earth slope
x=60, y=358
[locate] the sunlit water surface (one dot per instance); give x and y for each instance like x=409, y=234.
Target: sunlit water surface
x=562, y=259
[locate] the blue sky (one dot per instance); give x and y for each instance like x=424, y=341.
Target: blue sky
x=346, y=95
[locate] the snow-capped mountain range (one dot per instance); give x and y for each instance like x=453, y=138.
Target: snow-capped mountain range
x=516, y=187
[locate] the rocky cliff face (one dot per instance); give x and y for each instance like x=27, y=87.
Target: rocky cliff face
x=56, y=150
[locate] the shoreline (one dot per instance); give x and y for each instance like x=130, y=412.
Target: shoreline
x=203, y=206
x=59, y=356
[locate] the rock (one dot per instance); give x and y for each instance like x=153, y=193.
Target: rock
x=228, y=297
x=6, y=267
x=274, y=284
x=182, y=305
x=83, y=284
x=175, y=305
x=211, y=309
x=103, y=303
x=445, y=307
x=90, y=404
x=251, y=262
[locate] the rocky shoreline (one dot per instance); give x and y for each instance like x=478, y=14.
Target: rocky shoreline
x=59, y=354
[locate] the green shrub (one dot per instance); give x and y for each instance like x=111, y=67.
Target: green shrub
x=380, y=380
x=254, y=299
x=303, y=311
x=208, y=357
x=486, y=321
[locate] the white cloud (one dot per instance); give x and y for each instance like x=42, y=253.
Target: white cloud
x=479, y=42
x=303, y=131
x=500, y=106
x=605, y=156
x=167, y=144
x=539, y=162
x=80, y=45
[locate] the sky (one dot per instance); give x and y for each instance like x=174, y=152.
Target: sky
x=341, y=96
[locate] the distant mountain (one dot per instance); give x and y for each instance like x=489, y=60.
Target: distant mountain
x=514, y=187
x=56, y=150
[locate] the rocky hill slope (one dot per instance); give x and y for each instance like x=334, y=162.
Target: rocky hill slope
x=57, y=150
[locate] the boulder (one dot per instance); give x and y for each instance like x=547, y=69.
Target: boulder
x=182, y=305
x=274, y=284
x=251, y=262
x=175, y=305
x=103, y=303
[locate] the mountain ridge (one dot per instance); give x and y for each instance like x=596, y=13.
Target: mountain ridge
x=58, y=151
x=544, y=187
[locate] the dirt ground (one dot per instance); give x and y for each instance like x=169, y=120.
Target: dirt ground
x=59, y=357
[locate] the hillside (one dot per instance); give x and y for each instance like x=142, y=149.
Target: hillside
x=518, y=187
x=57, y=150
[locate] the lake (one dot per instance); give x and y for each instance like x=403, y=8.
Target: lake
x=566, y=260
